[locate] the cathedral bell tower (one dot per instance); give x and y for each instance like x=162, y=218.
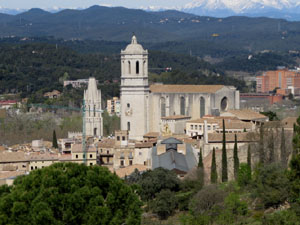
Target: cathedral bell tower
x=93, y=115
x=134, y=90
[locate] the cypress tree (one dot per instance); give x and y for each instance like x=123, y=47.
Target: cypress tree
x=236, y=161
x=200, y=163
x=249, y=156
x=54, y=140
x=201, y=167
x=213, y=171
x=224, y=157
x=282, y=149
x=271, y=148
x=261, y=145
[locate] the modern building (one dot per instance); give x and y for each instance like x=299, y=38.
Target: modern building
x=93, y=111
x=285, y=80
x=144, y=106
x=114, y=106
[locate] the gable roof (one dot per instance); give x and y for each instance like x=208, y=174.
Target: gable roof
x=246, y=114
x=173, y=160
x=175, y=88
x=171, y=140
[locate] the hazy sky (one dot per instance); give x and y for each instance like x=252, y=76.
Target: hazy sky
x=27, y=4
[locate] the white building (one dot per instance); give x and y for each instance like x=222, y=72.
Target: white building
x=143, y=107
x=93, y=111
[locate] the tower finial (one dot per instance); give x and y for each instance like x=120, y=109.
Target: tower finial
x=133, y=40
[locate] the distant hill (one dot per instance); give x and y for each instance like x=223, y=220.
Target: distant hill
x=172, y=28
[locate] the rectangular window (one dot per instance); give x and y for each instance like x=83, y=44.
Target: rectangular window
x=200, y=127
x=196, y=127
x=118, y=138
x=130, y=162
x=192, y=127
x=123, y=138
x=76, y=156
x=32, y=168
x=122, y=163
x=91, y=156
x=140, y=153
x=208, y=127
x=107, y=152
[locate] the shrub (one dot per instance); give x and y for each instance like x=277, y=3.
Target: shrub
x=270, y=185
x=244, y=175
x=164, y=204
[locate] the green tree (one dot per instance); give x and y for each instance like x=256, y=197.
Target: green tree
x=164, y=204
x=200, y=163
x=261, y=145
x=54, y=140
x=296, y=137
x=271, y=147
x=294, y=178
x=236, y=161
x=270, y=185
x=283, y=154
x=244, y=175
x=152, y=182
x=249, y=157
x=213, y=172
x=70, y=193
x=201, y=167
x=224, y=157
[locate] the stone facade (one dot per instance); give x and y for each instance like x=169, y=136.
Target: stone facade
x=144, y=106
x=93, y=112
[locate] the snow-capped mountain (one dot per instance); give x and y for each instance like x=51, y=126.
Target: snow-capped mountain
x=221, y=8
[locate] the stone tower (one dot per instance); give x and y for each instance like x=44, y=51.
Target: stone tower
x=134, y=90
x=93, y=115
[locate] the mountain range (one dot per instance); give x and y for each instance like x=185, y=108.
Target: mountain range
x=288, y=9
x=171, y=28
x=285, y=9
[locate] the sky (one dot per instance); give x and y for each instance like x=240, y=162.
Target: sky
x=28, y=4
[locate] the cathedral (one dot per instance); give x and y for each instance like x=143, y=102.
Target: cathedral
x=144, y=106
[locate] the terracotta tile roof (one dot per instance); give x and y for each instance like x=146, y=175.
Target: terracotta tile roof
x=107, y=143
x=5, y=175
x=65, y=157
x=44, y=157
x=6, y=157
x=241, y=137
x=160, y=88
x=175, y=117
x=212, y=119
x=235, y=125
x=122, y=172
x=144, y=144
x=151, y=135
x=247, y=114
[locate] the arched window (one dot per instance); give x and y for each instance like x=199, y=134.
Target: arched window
x=144, y=67
x=182, y=106
x=202, y=107
x=128, y=126
x=95, y=131
x=94, y=110
x=163, y=107
x=129, y=67
x=137, y=67
x=224, y=104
